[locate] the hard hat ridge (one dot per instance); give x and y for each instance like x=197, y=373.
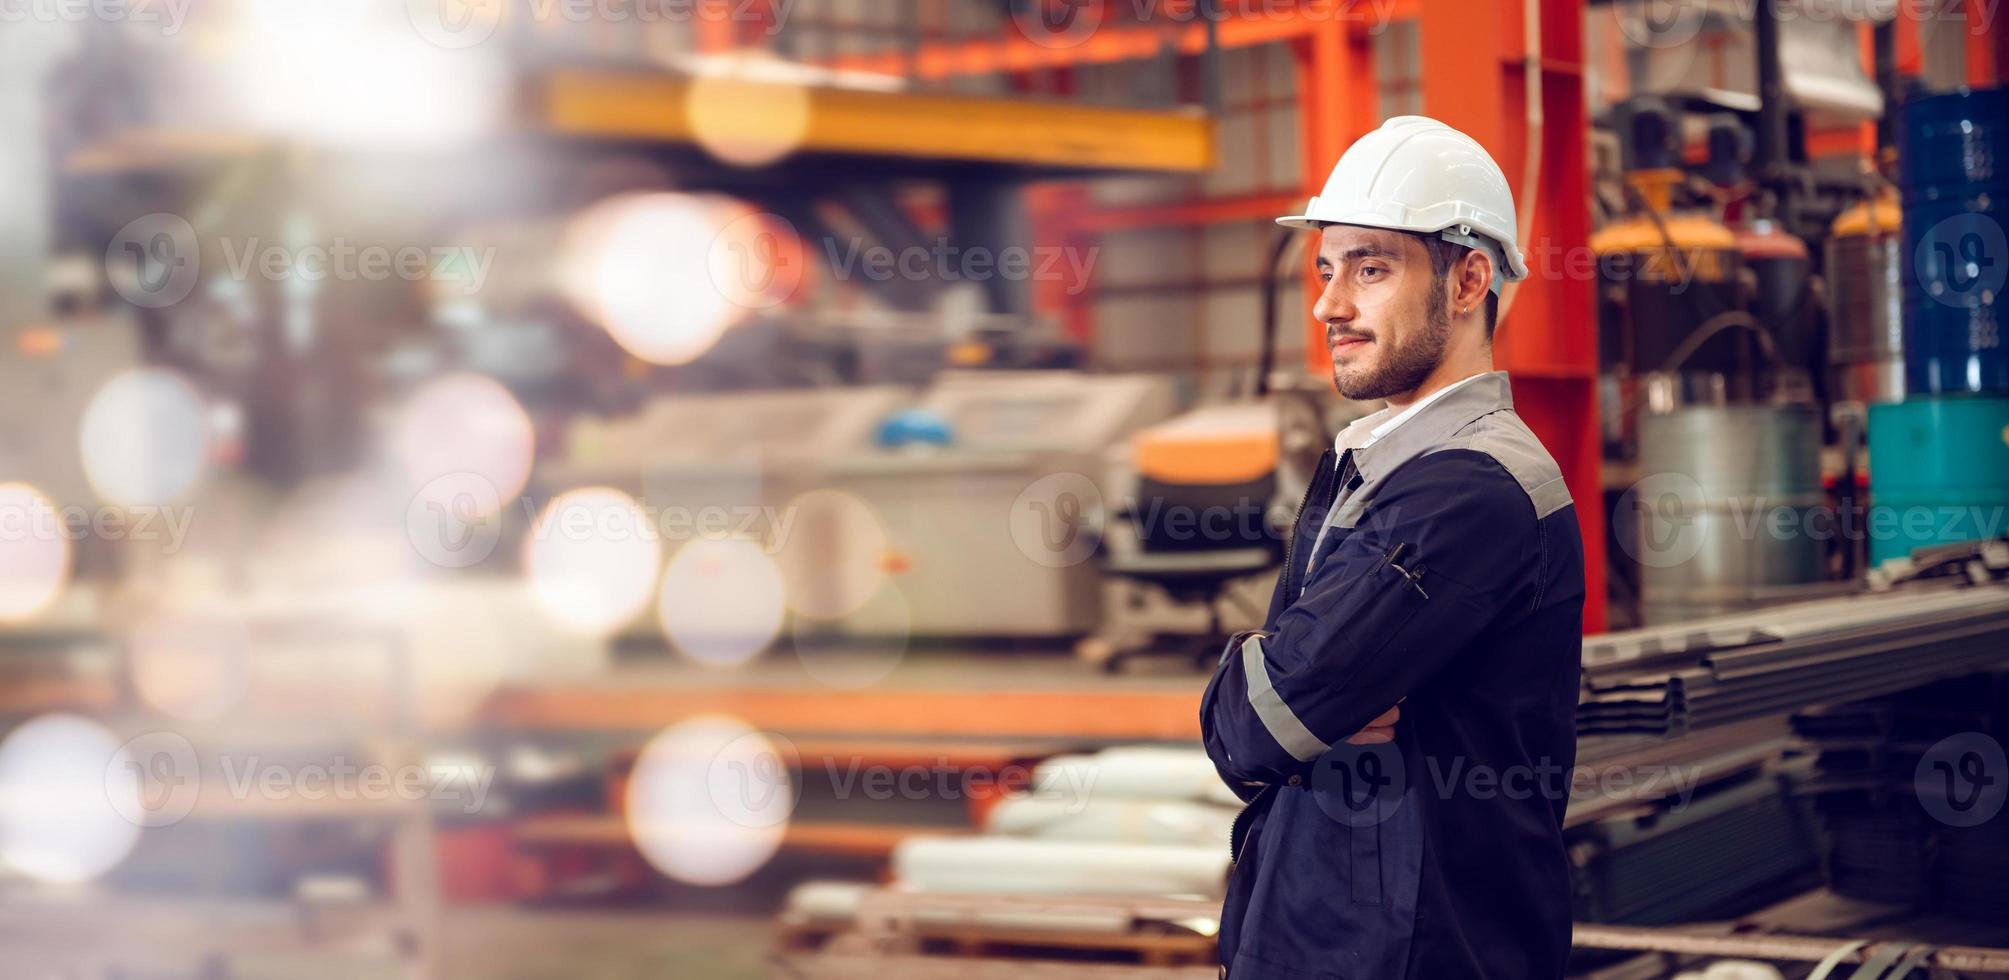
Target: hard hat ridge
x=1418, y=175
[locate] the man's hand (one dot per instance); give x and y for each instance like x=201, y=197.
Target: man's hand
x=1379, y=730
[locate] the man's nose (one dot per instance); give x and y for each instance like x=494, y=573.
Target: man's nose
x=1334, y=305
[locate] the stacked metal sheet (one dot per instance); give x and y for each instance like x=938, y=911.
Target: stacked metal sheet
x=1672, y=679
x=1871, y=788
x=1722, y=854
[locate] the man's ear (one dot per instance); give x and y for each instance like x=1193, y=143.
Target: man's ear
x=1473, y=280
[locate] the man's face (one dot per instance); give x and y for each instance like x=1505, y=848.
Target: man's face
x=1383, y=309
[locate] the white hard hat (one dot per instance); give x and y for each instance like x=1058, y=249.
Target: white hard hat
x=1416, y=174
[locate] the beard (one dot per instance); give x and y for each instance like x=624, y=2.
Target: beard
x=1403, y=366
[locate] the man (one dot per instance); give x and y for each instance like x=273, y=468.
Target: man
x=1403, y=725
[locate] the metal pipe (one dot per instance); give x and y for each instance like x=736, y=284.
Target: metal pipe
x=1771, y=156
x=1797, y=949
x=1273, y=273
x=1884, y=40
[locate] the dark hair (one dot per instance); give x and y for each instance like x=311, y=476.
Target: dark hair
x=1444, y=254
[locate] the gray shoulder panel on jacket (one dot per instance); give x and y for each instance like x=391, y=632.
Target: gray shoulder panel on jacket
x=1503, y=436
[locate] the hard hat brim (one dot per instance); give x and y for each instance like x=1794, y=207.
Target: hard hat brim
x=1516, y=270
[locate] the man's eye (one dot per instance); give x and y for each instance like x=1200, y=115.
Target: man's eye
x=1371, y=272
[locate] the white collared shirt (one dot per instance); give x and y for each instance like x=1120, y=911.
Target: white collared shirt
x=1368, y=430
x=1364, y=432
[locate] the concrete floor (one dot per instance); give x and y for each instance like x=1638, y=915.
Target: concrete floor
x=505, y=943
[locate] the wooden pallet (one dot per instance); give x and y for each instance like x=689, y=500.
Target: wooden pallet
x=925, y=935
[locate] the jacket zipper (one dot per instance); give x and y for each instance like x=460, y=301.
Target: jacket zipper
x=1318, y=477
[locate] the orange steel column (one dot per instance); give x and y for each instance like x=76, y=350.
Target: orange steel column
x=1474, y=79
x=1984, y=46
x=717, y=29
x=1338, y=102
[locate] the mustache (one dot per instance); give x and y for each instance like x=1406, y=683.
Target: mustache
x=1334, y=335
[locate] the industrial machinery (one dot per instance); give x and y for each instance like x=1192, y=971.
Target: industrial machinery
x=736, y=449
x=1866, y=302
x=1200, y=519
x=1668, y=278
x=1939, y=460
x=1719, y=485
x=991, y=534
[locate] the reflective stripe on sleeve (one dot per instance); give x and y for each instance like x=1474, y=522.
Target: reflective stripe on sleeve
x=1276, y=716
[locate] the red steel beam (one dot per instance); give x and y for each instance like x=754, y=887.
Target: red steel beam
x=1984, y=45
x=1338, y=102
x=1244, y=27
x=1474, y=77
x=1188, y=214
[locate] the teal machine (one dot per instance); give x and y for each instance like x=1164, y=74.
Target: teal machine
x=1939, y=460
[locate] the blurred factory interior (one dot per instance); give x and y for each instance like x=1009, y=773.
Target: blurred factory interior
x=754, y=488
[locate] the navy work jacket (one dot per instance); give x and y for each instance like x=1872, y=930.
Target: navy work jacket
x=1450, y=580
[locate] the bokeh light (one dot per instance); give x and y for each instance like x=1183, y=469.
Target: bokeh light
x=354, y=73
x=462, y=641
x=861, y=648
x=746, y=110
x=34, y=553
x=722, y=600
x=833, y=557
x=667, y=274
x=144, y=438
x=65, y=783
x=465, y=423
x=592, y=559
x=190, y=664
x=709, y=800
